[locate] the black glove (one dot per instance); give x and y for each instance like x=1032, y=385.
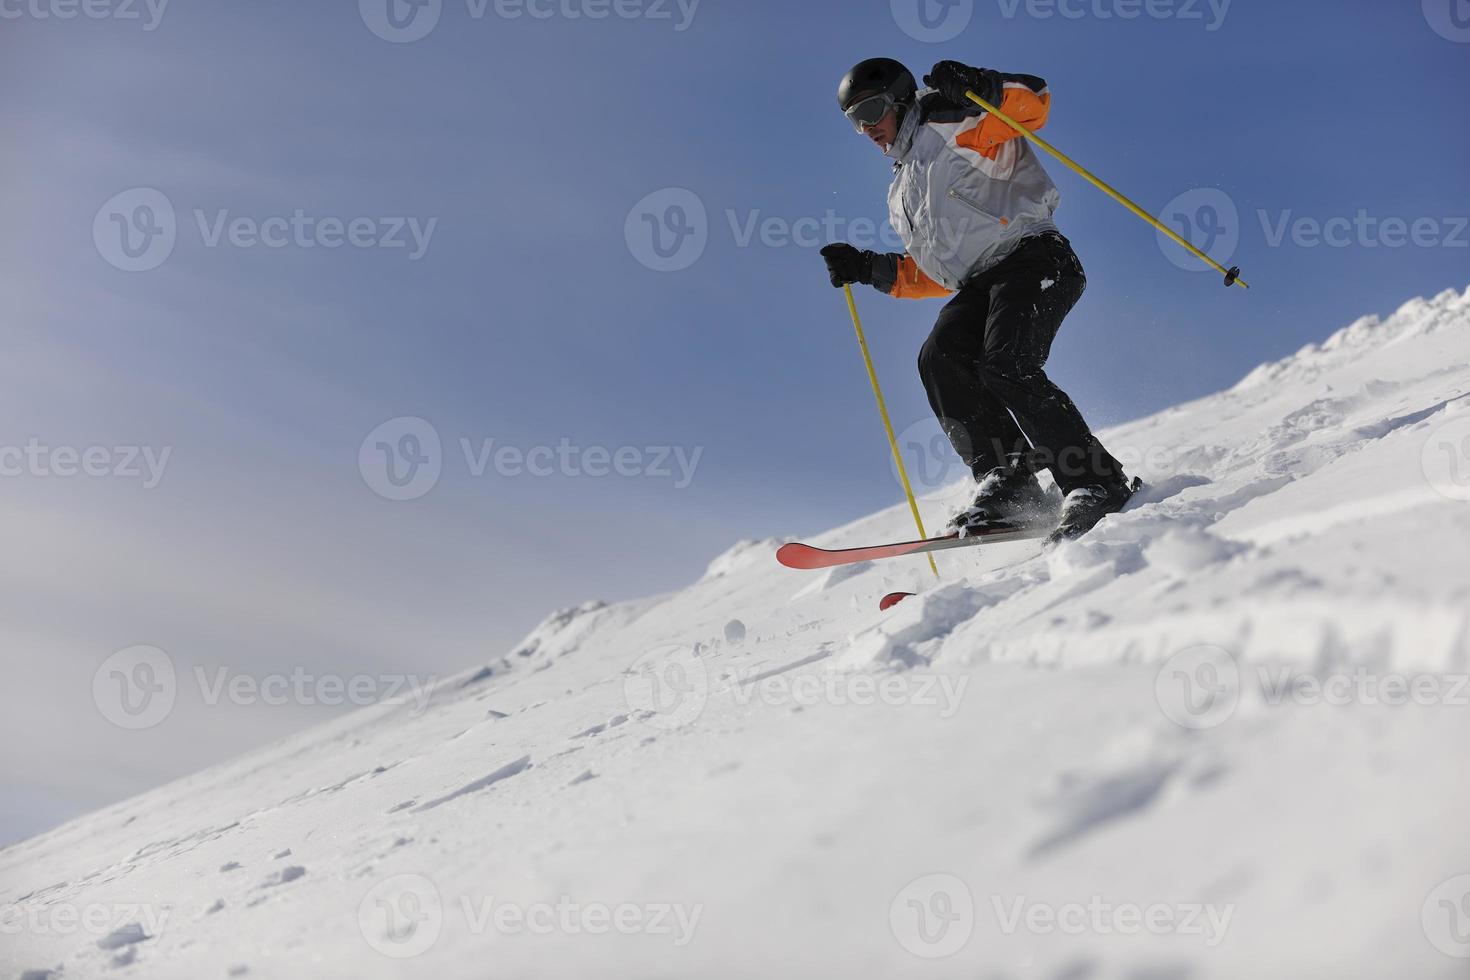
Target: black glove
x=952, y=79
x=846, y=264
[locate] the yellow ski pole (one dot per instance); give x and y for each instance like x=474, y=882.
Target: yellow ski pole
x=1232, y=275
x=903, y=476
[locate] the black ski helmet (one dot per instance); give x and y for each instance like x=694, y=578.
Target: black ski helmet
x=873, y=77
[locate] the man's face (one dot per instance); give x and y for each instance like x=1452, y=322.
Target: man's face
x=885, y=132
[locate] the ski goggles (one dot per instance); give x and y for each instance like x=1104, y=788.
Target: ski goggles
x=870, y=111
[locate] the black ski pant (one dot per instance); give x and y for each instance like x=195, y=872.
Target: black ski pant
x=982, y=367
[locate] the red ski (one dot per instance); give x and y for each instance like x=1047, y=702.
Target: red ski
x=798, y=555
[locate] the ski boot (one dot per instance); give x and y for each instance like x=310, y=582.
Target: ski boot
x=1006, y=497
x=1085, y=506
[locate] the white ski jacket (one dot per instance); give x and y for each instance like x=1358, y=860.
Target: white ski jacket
x=966, y=188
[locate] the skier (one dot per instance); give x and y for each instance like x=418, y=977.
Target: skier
x=973, y=207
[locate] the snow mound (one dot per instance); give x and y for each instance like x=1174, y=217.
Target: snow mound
x=1213, y=738
x=562, y=631
x=1415, y=318
x=742, y=555
x=557, y=635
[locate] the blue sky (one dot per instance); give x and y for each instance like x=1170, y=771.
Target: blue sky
x=519, y=140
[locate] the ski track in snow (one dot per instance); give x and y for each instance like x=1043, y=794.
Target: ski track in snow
x=1287, y=523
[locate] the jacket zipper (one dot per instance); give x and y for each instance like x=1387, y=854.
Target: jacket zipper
x=974, y=207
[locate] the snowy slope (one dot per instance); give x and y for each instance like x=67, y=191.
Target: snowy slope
x=1112, y=761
